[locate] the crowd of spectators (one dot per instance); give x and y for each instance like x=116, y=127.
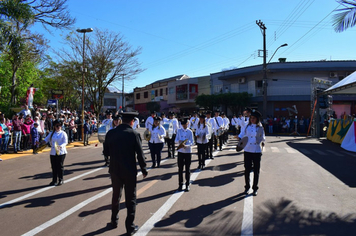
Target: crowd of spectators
x=25, y=129
x=287, y=124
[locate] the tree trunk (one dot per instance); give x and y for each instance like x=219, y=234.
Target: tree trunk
x=13, y=86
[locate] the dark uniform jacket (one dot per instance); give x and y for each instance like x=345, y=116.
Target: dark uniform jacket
x=122, y=144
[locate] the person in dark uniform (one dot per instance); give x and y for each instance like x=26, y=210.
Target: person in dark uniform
x=122, y=144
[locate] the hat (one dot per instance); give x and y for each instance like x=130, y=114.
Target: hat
x=129, y=115
x=222, y=113
x=117, y=117
x=158, y=118
x=170, y=113
x=248, y=109
x=153, y=112
x=217, y=110
x=208, y=112
x=202, y=116
x=194, y=112
x=183, y=121
x=256, y=114
x=108, y=112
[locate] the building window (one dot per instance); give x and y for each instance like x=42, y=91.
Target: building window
x=166, y=91
x=145, y=94
x=156, y=93
x=161, y=92
x=171, y=90
x=259, y=83
x=217, y=88
x=110, y=102
x=138, y=96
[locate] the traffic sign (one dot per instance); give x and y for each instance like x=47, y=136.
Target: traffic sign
x=52, y=102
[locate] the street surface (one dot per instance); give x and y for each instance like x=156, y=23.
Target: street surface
x=307, y=187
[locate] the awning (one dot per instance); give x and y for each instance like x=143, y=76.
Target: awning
x=345, y=86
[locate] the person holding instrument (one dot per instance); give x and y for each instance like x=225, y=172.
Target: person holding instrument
x=58, y=140
x=156, y=142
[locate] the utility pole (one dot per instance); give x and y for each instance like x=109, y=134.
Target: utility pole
x=263, y=31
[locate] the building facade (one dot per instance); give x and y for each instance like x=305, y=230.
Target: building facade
x=288, y=84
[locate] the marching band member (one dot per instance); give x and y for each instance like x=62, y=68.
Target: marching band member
x=185, y=139
x=226, y=126
x=157, y=141
x=165, y=120
x=240, y=120
x=234, y=123
x=136, y=124
x=219, y=130
x=212, y=122
x=246, y=117
x=171, y=142
x=150, y=120
x=116, y=121
x=106, y=122
x=253, y=152
x=193, y=122
x=201, y=132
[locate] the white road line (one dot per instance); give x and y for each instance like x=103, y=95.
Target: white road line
x=247, y=217
x=291, y=150
x=274, y=149
x=319, y=152
x=335, y=153
x=47, y=188
x=162, y=211
x=304, y=151
x=66, y=213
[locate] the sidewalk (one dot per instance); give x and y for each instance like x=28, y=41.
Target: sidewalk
x=92, y=140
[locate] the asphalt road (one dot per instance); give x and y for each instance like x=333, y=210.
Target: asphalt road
x=307, y=187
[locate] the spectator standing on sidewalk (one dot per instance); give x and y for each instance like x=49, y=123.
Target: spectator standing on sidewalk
x=35, y=137
x=17, y=132
x=5, y=136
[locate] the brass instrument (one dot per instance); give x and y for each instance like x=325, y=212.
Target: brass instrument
x=56, y=147
x=147, y=135
x=182, y=144
x=41, y=147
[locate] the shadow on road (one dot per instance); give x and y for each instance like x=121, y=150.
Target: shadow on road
x=4, y=194
x=342, y=167
x=282, y=217
x=101, y=231
x=218, y=180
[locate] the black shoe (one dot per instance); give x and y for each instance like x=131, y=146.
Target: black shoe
x=52, y=183
x=180, y=188
x=202, y=167
x=246, y=191
x=254, y=193
x=212, y=158
x=114, y=224
x=15, y=151
x=187, y=188
x=134, y=230
x=60, y=183
x=153, y=166
x=199, y=166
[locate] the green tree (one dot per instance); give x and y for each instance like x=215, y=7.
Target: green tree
x=108, y=57
x=208, y=102
x=346, y=17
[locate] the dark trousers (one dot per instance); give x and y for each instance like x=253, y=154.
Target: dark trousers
x=209, y=148
x=156, y=151
x=106, y=158
x=201, y=153
x=249, y=159
x=129, y=183
x=171, y=146
x=220, y=141
x=57, y=167
x=184, y=160
x=86, y=139
x=26, y=140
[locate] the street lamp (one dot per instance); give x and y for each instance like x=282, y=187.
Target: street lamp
x=265, y=79
x=88, y=30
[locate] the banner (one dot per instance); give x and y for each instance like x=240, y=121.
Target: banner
x=349, y=142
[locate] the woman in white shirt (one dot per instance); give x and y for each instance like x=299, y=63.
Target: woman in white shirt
x=201, y=133
x=156, y=142
x=253, y=151
x=58, y=140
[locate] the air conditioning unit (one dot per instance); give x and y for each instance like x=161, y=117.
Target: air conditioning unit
x=242, y=80
x=333, y=75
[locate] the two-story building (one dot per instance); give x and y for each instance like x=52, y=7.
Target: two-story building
x=156, y=92
x=112, y=99
x=288, y=84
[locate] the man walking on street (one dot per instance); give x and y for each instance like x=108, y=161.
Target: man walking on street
x=122, y=144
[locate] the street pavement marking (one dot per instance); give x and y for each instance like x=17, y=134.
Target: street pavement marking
x=274, y=149
x=335, y=153
x=319, y=152
x=47, y=188
x=81, y=205
x=291, y=150
x=247, y=217
x=162, y=211
x=305, y=151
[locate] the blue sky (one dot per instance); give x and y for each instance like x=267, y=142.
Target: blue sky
x=199, y=37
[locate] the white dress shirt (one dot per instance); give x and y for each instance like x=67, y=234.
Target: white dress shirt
x=136, y=123
x=201, y=133
x=213, y=124
x=193, y=122
x=219, y=122
x=243, y=122
x=182, y=135
x=234, y=121
x=256, y=135
x=157, y=134
x=175, y=125
x=149, y=123
x=107, y=122
x=226, y=122
x=61, y=139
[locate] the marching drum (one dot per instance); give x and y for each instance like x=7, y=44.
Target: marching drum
x=102, y=130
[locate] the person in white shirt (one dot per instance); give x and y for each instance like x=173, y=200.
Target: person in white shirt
x=226, y=127
x=156, y=142
x=171, y=142
x=210, y=121
x=165, y=120
x=218, y=139
x=58, y=139
x=240, y=120
x=185, y=139
x=26, y=111
x=150, y=120
x=234, y=123
x=136, y=124
x=201, y=133
x=245, y=118
x=253, y=151
x=193, y=121
x=107, y=122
